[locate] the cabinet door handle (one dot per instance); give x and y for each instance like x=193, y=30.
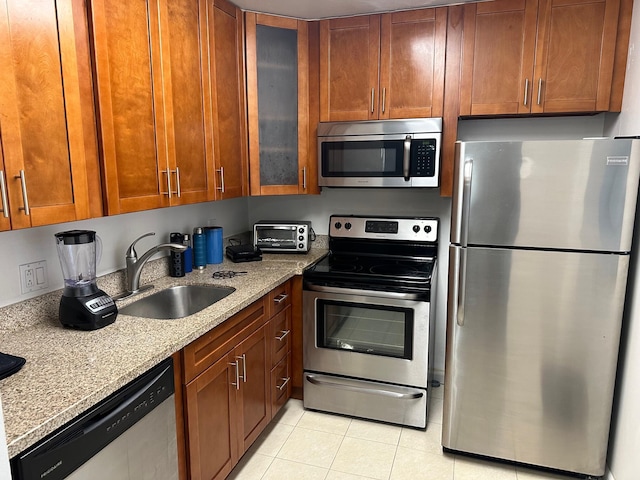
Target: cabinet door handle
x=539, y=90
x=372, y=98
x=304, y=178
x=284, y=383
x=526, y=91
x=283, y=334
x=221, y=187
x=280, y=298
x=168, y=173
x=384, y=97
x=25, y=198
x=244, y=368
x=178, y=181
x=3, y=192
x=237, y=384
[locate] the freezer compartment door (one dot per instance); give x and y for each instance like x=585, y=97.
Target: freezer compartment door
x=562, y=194
x=532, y=346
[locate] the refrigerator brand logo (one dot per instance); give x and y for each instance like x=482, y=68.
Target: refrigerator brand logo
x=618, y=160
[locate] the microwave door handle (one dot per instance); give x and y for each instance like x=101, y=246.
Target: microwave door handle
x=406, y=158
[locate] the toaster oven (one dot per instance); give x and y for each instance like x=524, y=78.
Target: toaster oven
x=282, y=236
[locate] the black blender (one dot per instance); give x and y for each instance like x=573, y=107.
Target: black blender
x=83, y=305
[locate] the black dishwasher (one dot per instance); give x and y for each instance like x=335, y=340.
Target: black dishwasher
x=129, y=435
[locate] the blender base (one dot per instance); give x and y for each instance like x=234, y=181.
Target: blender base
x=89, y=312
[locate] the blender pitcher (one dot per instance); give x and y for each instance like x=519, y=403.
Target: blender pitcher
x=83, y=305
x=79, y=252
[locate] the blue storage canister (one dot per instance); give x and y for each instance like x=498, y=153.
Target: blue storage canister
x=188, y=253
x=199, y=248
x=214, y=244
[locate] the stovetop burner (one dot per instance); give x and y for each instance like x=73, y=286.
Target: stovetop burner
x=378, y=253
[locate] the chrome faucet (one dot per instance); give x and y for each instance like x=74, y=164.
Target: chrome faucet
x=135, y=264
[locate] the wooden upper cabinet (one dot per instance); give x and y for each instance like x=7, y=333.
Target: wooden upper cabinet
x=46, y=112
x=383, y=66
x=349, y=68
x=412, y=53
x=530, y=56
x=228, y=87
x=183, y=30
x=153, y=86
x=278, y=105
x=575, y=55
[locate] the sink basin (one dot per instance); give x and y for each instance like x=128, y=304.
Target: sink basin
x=177, y=302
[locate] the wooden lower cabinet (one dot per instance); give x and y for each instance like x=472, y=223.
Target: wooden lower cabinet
x=235, y=379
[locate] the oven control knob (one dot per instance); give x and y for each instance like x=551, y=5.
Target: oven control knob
x=301, y=230
x=347, y=226
x=300, y=246
x=338, y=225
x=301, y=238
x=416, y=228
x=427, y=228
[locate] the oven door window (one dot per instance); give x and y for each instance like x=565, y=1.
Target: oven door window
x=371, y=329
x=276, y=237
x=374, y=158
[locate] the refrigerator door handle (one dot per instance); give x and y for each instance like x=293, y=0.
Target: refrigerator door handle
x=461, y=196
x=457, y=283
x=466, y=200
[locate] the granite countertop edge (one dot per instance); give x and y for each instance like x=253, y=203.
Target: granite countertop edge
x=69, y=371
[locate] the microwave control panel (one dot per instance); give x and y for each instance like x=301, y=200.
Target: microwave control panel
x=423, y=156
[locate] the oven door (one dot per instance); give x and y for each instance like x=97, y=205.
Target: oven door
x=366, y=334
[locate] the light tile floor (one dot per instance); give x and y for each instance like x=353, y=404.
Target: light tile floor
x=308, y=445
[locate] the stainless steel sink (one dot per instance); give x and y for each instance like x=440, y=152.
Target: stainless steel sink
x=177, y=302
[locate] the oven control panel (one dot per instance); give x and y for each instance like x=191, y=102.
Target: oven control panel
x=420, y=229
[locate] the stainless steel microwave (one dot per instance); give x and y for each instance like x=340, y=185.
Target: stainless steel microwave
x=380, y=153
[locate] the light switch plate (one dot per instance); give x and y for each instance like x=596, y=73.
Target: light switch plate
x=33, y=276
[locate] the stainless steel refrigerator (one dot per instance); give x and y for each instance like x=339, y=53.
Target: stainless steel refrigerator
x=540, y=240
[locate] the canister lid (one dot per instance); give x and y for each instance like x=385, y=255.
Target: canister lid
x=76, y=237
x=198, y=230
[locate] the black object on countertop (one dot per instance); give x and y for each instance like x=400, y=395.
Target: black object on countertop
x=10, y=364
x=243, y=253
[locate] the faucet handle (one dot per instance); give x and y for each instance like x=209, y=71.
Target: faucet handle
x=131, y=251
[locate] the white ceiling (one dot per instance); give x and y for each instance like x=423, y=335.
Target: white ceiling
x=316, y=9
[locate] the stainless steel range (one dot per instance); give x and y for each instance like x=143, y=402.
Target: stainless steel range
x=369, y=318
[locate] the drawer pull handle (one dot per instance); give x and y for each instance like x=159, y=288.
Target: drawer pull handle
x=244, y=368
x=280, y=298
x=283, y=333
x=284, y=383
x=237, y=384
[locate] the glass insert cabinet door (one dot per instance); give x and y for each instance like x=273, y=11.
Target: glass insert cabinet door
x=371, y=329
x=277, y=94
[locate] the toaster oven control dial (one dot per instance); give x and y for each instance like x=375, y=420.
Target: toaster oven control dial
x=338, y=225
x=347, y=226
x=416, y=228
x=427, y=228
x=301, y=230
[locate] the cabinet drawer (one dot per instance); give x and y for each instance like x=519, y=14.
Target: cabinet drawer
x=280, y=331
x=279, y=298
x=203, y=352
x=280, y=385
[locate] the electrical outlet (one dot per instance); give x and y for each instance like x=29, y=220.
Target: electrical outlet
x=33, y=276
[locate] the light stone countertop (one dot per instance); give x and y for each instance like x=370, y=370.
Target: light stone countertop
x=68, y=371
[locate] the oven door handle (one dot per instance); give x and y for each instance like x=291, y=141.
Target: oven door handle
x=318, y=380
x=370, y=293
